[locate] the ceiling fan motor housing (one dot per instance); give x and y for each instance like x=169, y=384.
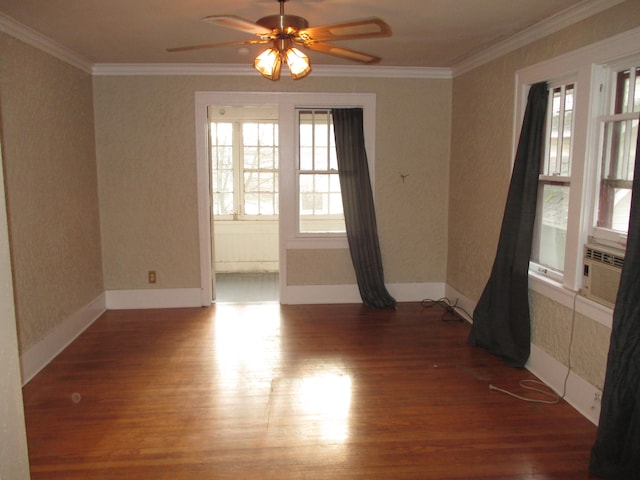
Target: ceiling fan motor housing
x=287, y=24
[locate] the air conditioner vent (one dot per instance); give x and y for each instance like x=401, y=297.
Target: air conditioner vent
x=598, y=254
x=601, y=276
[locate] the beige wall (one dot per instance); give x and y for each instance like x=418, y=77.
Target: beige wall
x=482, y=135
x=14, y=460
x=51, y=186
x=147, y=177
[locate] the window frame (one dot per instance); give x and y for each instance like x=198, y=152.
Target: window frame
x=607, y=74
x=300, y=172
x=286, y=102
x=544, y=178
x=237, y=121
x=587, y=66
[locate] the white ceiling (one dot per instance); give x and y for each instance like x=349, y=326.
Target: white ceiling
x=426, y=33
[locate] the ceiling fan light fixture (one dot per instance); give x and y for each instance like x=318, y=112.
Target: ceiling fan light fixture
x=284, y=31
x=298, y=62
x=268, y=63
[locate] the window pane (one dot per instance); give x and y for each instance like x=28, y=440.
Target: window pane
x=260, y=140
x=321, y=183
x=223, y=204
x=306, y=158
x=627, y=91
x=251, y=157
x=333, y=160
x=267, y=204
x=567, y=132
x=222, y=133
x=321, y=158
x=558, y=151
x=618, y=157
x=321, y=131
x=248, y=158
x=551, y=226
x=306, y=183
x=267, y=158
x=267, y=182
x=306, y=129
x=223, y=181
x=320, y=202
x=251, y=202
x=266, y=135
x=335, y=204
x=250, y=134
x=222, y=157
x=251, y=182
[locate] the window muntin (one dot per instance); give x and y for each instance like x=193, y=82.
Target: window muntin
x=550, y=230
x=320, y=200
x=244, y=168
x=260, y=168
x=222, y=168
x=618, y=150
x=557, y=160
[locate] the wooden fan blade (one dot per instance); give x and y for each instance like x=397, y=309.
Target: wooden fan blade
x=342, y=52
x=238, y=23
x=216, y=45
x=365, y=28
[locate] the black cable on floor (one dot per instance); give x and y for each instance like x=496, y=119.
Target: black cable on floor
x=450, y=309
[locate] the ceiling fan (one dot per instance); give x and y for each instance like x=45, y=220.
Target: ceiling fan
x=287, y=32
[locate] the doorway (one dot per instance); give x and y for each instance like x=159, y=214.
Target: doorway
x=244, y=166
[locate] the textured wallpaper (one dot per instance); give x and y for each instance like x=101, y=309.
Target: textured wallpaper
x=145, y=136
x=51, y=185
x=14, y=459
x=482, y=136
x=551, y=328
x=481, y=156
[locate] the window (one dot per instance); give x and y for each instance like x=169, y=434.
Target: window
x=260, y=168
x=244, y=165
x=550, y=234
x=619, y=127
x=587, y=168
x=320, y=201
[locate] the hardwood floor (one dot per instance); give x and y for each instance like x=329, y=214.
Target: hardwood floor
x=291, y=392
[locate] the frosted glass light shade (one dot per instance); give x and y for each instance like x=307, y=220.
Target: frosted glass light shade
x=268, y=63
x=298, y=63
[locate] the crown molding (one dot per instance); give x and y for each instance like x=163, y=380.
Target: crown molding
x=559, y=21
x=536, y=32
x=123, y=69
x=31, y=37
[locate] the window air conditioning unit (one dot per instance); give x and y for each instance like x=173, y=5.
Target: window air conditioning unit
x=601, y=274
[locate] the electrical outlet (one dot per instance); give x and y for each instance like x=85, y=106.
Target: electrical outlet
x=597, y=397
x=152, y=276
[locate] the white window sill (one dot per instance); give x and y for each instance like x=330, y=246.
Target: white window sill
x=559, y=293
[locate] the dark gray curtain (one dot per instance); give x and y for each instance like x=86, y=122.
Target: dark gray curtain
x=359, y=211
x=501, y=319
x=616, y=452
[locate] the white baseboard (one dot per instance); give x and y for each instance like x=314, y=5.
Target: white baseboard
x=466, y=306
x=153, y=298
x=325, y=294
x=580, y=394
x=39, y=355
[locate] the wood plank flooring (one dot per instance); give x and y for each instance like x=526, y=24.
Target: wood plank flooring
x=291, y=392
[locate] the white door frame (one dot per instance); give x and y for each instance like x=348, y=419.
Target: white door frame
x=286, y=103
